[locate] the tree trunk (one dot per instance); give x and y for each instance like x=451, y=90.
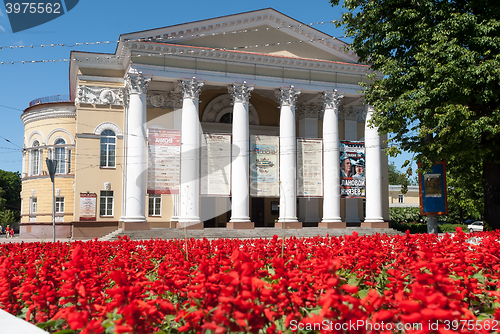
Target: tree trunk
x=491, y=181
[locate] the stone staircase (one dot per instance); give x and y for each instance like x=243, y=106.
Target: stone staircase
x=263, y=232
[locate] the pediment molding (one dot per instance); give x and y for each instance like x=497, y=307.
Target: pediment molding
x=239, y=23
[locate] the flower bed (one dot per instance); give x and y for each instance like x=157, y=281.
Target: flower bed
x=354, y=284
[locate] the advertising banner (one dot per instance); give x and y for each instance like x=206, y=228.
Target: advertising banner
x=164, y=147
x=88, y=205
x=433, y=194
x=309, y=167
x=264, y=166
x=352, y=169
x=216, y=164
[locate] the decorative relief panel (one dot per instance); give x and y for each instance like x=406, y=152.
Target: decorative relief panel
x=164, y=100
x=310, y=110
x=357, y=113
x=100, y=95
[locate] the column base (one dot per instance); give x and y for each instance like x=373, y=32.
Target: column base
x=375, y=224
x=240, y=225
x=133, y=226
x=190, y=225
x=332, y=224
x=288, y=225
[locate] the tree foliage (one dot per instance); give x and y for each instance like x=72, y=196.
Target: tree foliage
x=436, y=82
x=10, y=197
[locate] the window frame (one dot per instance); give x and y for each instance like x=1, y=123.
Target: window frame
x=58, y=205
x=35, y=157
x=108, y=197
x=401, y=198
x=108, y=147
x=153, y=200
x=59, y=154
x=33, y=205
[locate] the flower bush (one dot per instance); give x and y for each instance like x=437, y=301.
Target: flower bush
x=321, y=284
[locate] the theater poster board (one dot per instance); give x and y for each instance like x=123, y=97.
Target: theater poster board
x=433, y=191
x=264, y=166
x=215, y=164
x=309, y=167
x=164, y=147
x=88, y=206
x=352, y=169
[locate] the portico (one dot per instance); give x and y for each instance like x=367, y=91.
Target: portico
x=237, y=121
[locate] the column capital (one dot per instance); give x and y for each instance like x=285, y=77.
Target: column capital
x=287, y=96
x=331, y=100
x=240, y=92
x=191, y=88
x=309, y=110
x=136, y=83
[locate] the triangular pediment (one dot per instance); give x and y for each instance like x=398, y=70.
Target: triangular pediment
x=264, y=31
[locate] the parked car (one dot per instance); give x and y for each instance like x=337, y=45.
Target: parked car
x=477, y=226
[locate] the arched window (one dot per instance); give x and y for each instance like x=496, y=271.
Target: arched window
x=108, y=148
x=60, y=156
x=35, y=158
x=227, y=118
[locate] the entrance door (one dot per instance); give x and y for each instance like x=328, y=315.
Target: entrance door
x=258, y=211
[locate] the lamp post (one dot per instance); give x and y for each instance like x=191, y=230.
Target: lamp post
x=51, y=166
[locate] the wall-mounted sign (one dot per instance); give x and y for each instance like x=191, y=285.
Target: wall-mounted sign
x=164, y=153
x=216, y=164
x=88, y=205
x=264, y=166
x=433, y=193
x=309, y=167
x=352, y=169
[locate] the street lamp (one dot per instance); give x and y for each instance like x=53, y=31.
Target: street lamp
x=51, y=166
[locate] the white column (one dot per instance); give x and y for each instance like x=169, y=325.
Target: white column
x=331, y=158
x=373, y=171
x=189, y=215
x=240, y=216
x=135, y=152
x=288, y=155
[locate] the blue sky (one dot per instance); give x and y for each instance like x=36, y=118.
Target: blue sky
x=101, y=21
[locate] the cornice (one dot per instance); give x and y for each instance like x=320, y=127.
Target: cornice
x=182, y=51
x=46, y=113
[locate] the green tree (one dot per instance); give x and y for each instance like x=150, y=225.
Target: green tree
x=436, y=82
x=10, y=196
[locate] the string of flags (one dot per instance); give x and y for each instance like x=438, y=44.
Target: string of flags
x=156, y=39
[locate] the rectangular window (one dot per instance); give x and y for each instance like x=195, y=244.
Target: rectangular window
x=33, y=203
x=106, y=203
x=155, y=205
x=59, y=204
x=401, y=198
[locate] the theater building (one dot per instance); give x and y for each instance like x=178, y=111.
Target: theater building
x=239, y=121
